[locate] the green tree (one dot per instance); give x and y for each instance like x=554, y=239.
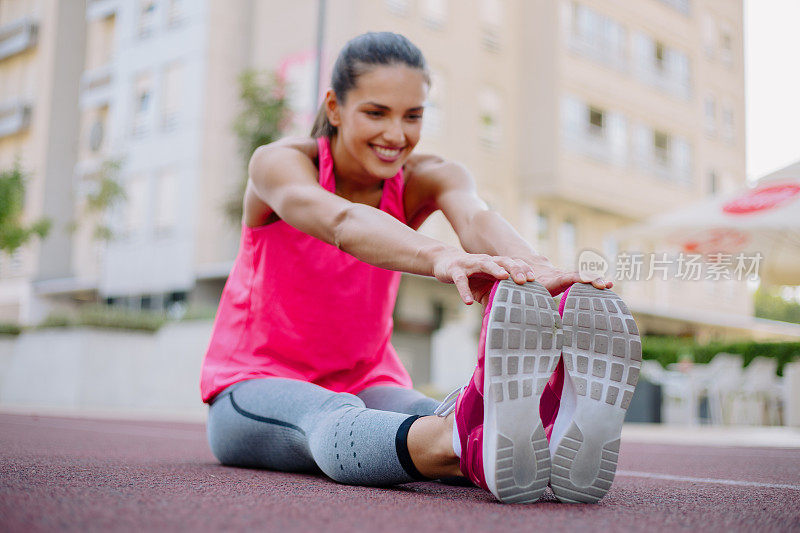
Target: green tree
x=105, y=193
x=263, y=119
x=769, y=304
x=14, y=233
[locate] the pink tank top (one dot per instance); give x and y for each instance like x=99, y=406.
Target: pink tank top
x=297, y=307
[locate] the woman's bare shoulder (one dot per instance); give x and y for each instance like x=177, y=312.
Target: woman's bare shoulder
x=422, y=165
x=304, y=145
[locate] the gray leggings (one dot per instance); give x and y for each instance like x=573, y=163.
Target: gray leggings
x=295, y=426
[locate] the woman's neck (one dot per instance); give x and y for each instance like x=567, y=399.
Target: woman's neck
x=350, y=177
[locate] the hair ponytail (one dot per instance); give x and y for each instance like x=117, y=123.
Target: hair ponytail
x=357, y=57
x=322, y=126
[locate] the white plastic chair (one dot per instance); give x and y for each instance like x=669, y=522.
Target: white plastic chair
x=678, y=406
x=720, y=383
x=761, y=393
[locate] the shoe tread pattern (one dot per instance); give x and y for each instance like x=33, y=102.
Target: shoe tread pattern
x=602, y=355
x=524, y=341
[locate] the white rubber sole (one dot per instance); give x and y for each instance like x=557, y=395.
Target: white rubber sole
x=602, y=356
x=523, y=344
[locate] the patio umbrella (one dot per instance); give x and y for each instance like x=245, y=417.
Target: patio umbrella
x=760, y=222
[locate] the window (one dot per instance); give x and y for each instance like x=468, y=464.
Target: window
x=659, y=54
x=661, y=147
x=595, y=121
x=726, y=44
x=573, y=112
x=171, y=98
x=543, y=227
x=663, y=154
x=680, y=5
x=433, y=117
x=397, y=7
x=17, y=262
x=727, y=123
x=713, y=185
x=135, y=205
x=617, y=137
x=709, y=35
x=176, y=12
x=594, y=131
x=142, y=102
x=710, y=113
x=166, y=203
x=492, y=19
x=100, y=42
x=659, y=65
x=147, y=18
x=97, y=130
x=490, y=127
x=567, y=238
x=596, y=35
x=681, y=164
x=434, y=13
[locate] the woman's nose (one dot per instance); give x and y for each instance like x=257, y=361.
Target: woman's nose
x=394, y=133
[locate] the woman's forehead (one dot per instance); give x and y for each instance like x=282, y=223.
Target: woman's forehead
x=393, y=86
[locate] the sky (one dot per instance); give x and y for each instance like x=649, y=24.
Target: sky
x=772, y=84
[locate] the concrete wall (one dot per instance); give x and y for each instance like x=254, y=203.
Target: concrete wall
x=91, y=370
x=124, y=373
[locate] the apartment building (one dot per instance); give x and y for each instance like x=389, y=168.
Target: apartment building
x=41, y=57
x=576, y=117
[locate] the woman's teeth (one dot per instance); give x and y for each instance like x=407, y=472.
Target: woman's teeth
x=387, y=152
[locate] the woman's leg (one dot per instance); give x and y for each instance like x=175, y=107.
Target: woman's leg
x=295, y=426
x=398, y=400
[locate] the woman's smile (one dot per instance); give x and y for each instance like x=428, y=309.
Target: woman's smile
x=387, y=154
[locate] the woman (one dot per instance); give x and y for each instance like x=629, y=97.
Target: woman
x=300, y=372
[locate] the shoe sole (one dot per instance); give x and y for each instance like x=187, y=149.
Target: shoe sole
x=523, y=344
x=602, y=356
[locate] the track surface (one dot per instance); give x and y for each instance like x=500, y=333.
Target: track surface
x=78, y=474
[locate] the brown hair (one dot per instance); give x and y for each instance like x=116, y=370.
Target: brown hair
x=356, y=58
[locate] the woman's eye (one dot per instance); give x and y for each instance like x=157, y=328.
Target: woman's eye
x=373, y=113
x=415, y=117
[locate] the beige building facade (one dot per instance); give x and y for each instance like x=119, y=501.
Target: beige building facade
x=41, y=58
x=576, y=118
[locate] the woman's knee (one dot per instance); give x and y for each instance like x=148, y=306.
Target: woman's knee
x=236, y=439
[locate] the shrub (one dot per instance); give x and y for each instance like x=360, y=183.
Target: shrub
x=668, y=350
x=106, y=317
x=7, y=328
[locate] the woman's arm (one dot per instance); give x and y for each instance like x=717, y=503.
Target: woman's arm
x=285, y=179
x=481, y=230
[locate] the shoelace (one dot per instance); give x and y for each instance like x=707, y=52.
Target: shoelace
x=448, y=405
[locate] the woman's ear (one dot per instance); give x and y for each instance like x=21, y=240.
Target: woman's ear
x=332, y=108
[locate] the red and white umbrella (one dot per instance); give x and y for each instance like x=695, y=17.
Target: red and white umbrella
x=764, y=220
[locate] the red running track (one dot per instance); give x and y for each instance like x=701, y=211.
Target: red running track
x=76, y=475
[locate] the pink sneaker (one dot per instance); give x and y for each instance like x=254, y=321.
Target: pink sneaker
x=499, y=435
x=589, y=394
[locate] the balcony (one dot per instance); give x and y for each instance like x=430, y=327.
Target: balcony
x=679, y=5
x=662, y=79
x=18, y=36
x=661, y=163
x=604, y=52
x=100, y=9
x=96, y=86
x=595, y=142
x=15, y=117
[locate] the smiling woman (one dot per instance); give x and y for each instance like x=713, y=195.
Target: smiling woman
x=300, y=372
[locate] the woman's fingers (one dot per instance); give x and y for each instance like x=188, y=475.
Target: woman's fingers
x=462, y=285
x=519, y=270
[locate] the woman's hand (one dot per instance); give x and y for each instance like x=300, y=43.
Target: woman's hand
x=556, y=280
x=475, y=274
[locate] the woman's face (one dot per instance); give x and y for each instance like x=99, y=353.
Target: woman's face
x=380, y=121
